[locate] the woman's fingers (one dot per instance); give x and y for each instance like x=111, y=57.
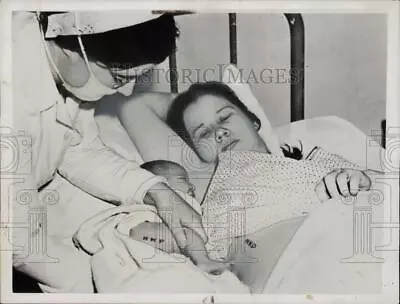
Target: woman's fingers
x=179, y=233
x=176, y=213
x=331, y=184
x=321, y=191
x=354, y=183
x=168, y=205
x=358, y=181
x=365, y=182
x=195, y=223
x=180, y=237
x=343, y=182
x=173, y=222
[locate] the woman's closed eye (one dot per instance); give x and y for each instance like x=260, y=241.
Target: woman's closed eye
x=204, y=133
x=225, y=117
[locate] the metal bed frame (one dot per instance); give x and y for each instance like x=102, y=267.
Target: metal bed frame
x=296, y=27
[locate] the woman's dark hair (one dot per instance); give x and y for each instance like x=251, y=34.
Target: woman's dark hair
x=147, y=42
x=197, y=90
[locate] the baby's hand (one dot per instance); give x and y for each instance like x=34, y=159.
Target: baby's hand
x=342, y=182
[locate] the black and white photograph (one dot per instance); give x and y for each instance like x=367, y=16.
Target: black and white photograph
x=199, y=152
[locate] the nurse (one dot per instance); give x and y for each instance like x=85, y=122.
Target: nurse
x=63, y=63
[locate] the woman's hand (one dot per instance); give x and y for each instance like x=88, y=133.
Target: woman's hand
x=342, y=183
x=176, y=213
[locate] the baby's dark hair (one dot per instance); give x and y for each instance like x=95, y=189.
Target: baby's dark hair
x=160, y=165
x=148, y=42
x=197, y=90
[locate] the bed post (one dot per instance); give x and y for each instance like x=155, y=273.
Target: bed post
x=173, y=73
x=296, y=27
x=232, y=38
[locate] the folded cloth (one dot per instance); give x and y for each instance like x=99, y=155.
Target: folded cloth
x=251, y=190
x=122, y=264
x=87, y=236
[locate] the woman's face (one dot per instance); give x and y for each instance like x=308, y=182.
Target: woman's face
x=215, y=125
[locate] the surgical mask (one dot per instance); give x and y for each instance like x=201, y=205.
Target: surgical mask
x=93, y=89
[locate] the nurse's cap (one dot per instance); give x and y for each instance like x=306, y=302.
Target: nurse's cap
x=94, y=22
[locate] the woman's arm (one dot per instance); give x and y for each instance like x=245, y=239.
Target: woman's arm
x=143, y=118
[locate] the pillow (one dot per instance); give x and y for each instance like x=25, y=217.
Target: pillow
x=243, y=91
x=116, y=137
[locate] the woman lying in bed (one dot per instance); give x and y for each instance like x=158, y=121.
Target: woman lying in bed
x=223, y=133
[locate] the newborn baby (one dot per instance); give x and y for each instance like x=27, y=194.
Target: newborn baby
x=156, y=234
x=159, y=235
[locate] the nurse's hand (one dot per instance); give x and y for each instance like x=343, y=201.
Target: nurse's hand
x=342, y=183
x=176, y=213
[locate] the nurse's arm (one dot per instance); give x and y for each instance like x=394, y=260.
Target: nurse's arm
x=100, y=171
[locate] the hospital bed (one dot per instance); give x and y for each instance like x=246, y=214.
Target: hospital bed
x=306, y=246
x=332, y=133
x=354, y=146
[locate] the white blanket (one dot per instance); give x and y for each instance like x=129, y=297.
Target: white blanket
x=331, y=133
x=314, y=261
x=121, y=264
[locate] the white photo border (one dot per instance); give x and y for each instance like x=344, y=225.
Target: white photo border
x=390, y=8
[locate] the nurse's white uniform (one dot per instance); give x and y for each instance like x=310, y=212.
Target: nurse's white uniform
x=65, y=139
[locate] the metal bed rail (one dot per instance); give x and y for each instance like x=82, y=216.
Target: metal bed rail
x=297, y=37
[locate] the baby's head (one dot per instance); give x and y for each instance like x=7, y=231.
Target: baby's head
x=175, y=174
x=157, y=234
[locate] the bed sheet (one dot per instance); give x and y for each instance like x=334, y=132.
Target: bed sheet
x=305, y=251
x=315, y=259
x=321, y=257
